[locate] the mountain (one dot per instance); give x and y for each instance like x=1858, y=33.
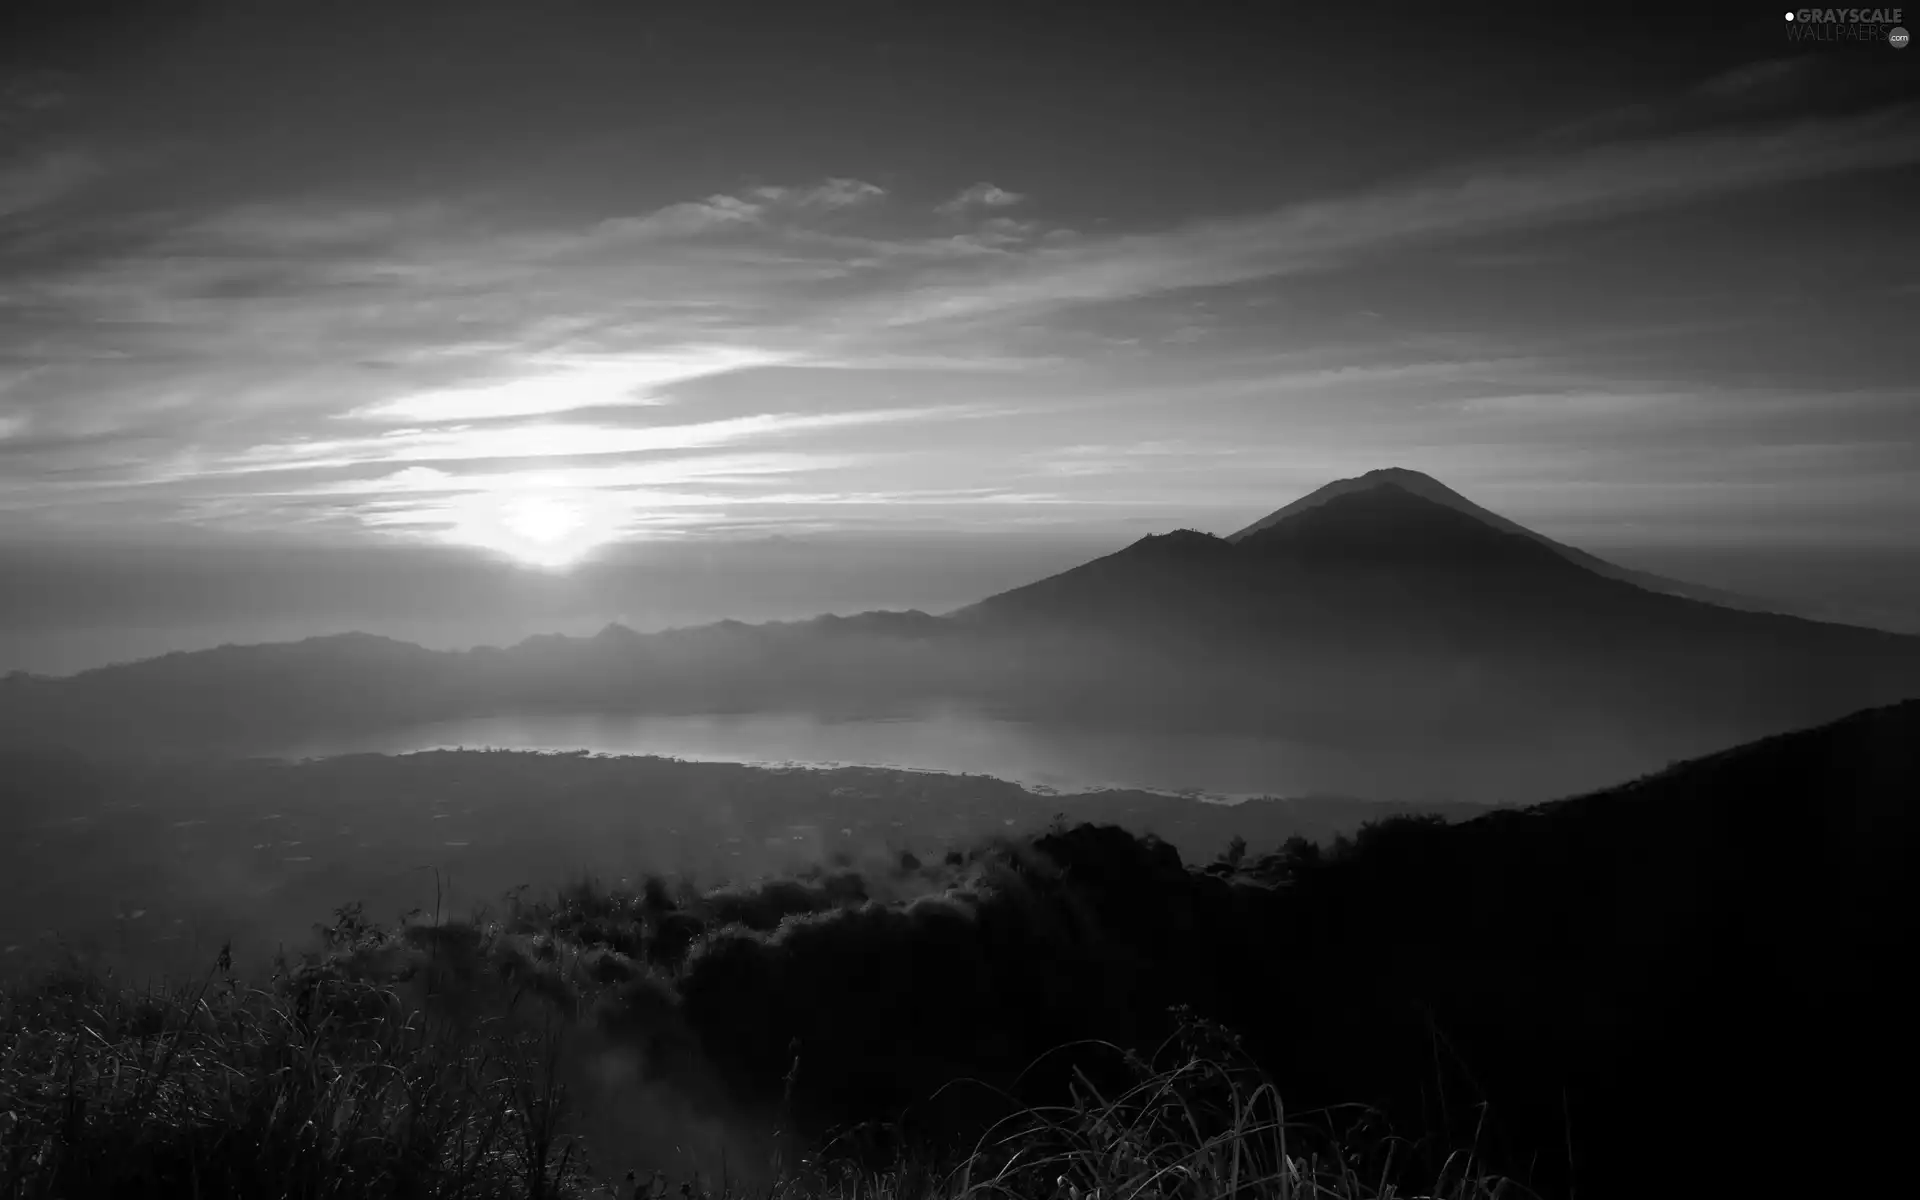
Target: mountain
x=273, y=697
x=1429, y=488
x=1379, y=601
x=1396, y=543
x=1378, y=556
x=1383, y=618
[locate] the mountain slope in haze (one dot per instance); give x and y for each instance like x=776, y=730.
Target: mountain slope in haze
x=1383, y=561
x=253, y=699
x=1429, y=488
x=1380, y=546
x=1382, y=603
x=1375, y=620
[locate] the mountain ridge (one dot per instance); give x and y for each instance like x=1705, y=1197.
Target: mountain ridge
x=1373, y=546
x=1374, y=617
x=1429, y=488
x=1179, y=545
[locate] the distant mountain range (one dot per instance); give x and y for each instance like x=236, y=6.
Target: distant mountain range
x=1385, y=611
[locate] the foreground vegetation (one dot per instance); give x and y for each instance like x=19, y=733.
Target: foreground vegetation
x=320, y=1085
x=1676, y=987
x=329, y=1082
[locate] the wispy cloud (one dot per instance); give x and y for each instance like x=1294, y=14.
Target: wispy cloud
x=908, y=361
x=567, y=440
x=830, y=194
x=1134, y=457
x=305, y=229
x=1746, y=90
x=718, y=212
x=385, y=359
x=26, y=94
x=37, y=169
x=44, y=179
x=940, y=496
x=1577, y=404
x=767, y=203
x=978, y=196
x=1765, y=81
x=551, y=387
x=704, y=469
x=1493, y=197
x=1332, y=379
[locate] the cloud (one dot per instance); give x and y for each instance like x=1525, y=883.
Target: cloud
x=1763, y=82
x=940, y=496
x=562, y=386
x=1373, y=374
x=724, y=213
x=567, y=440
x=1490, y=198
x=1582, y=404
x=27, y=94
x=688, y=219
x=978, y=196
x=1776, y=87
x=276, y=228
x=706, y=469
x=1133, y=458
x=195, y=355
x=969, y=363
x=829, y=194
x=876, y=257
x=44, y=180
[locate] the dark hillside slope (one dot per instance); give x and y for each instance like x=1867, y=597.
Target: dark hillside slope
x=1683, y=986
x=1704, y=962
x=1687, y=979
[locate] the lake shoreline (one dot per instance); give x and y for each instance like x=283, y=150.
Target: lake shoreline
x=1220, y=768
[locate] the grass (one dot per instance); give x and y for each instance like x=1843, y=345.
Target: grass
x=317, y=1087
x=343, y=1077
x=1207, y=1124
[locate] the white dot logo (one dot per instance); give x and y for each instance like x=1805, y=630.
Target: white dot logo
x=1789, y=16
x=1898, y=38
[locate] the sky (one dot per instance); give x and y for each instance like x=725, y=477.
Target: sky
x=563, y=283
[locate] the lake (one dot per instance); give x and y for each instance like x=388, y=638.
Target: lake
x=958, y=741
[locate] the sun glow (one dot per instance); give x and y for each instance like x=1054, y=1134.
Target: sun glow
x=551, y=530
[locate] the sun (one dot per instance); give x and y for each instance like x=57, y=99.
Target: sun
x=543, y=520
x=549, y=530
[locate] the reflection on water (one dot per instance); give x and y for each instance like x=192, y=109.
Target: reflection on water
x=960, y=741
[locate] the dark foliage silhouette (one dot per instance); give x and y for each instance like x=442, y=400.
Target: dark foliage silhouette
x=1574, y=968
x=1570, y=989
